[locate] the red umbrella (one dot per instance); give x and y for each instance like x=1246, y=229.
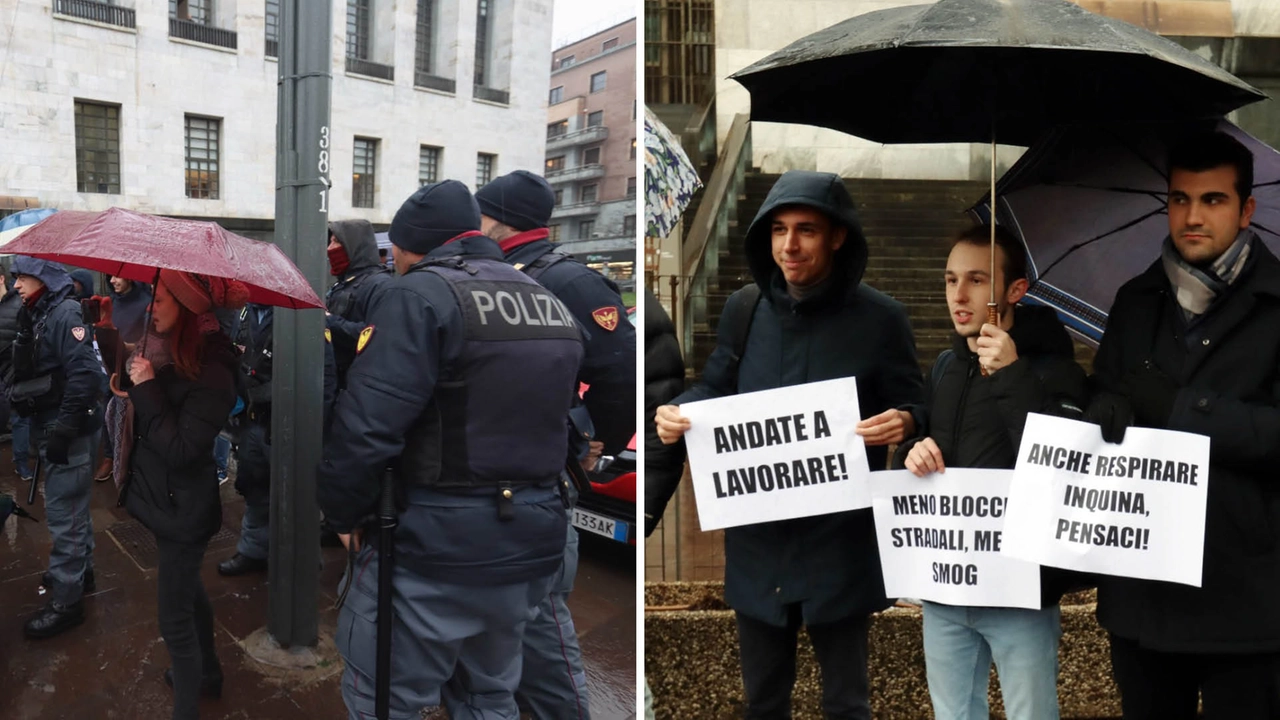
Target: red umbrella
x=136, y=246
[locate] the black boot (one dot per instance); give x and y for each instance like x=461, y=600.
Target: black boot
x=240, y=565
x=89, y=583
x=210, y=685
x=54, y=619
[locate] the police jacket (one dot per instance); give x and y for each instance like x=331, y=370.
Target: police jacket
x=609, y=368
x=977, y=421
x=173, y=482
x=829, y=564
x=256, y=335
x=1226, y=366
x=412, y=399
x=54, y=342
x=348, y=298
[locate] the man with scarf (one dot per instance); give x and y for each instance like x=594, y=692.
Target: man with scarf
x=56, y=382
x=514, y=211
x=1193, y=344
x=354, y=261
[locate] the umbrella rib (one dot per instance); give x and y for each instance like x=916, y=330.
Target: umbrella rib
x=1090, y=241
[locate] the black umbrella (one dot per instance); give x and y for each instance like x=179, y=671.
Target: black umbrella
x=985, y=70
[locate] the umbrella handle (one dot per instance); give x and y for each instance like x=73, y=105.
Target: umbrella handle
x=993, y=318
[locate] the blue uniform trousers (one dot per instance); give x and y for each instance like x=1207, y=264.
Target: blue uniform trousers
x=253, y=480
x=66, y=501
x=554, y=684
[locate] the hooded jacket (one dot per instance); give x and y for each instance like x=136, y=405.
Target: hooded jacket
x=64, y=349
x=348, y=299
x=828, y=564
x=85, y=278
x=129, y=311
x=977, y=421
x=663, y=380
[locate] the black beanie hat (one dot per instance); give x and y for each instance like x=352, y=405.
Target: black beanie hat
x=520, y=200
x=433, y=215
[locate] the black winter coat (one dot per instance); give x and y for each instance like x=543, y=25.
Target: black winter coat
x=10, y=304
x=828, y=564
x=1227, y=366
x=173, y=485
x=663, y=380
x=977, y=421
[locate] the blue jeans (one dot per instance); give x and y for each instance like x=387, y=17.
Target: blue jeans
x=961, y=642
x=221, y=452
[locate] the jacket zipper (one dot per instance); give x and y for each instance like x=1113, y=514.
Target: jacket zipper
x=964, y=393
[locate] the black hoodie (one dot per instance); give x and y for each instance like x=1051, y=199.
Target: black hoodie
x=348, y=299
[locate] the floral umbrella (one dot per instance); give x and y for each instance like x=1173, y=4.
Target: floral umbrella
x=670, y=180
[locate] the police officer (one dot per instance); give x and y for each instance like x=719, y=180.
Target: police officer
x=354, y=261
x=57, y=381
x=253, y=454
x=462, y=381
x=515, y=210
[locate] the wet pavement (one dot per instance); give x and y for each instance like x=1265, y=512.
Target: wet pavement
x=112, y=666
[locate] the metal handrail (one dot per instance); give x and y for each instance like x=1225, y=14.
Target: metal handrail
x=96, y=11
x=709, y=232
x=194, y=31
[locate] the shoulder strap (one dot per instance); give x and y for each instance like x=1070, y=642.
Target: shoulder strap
x=739, y=311
x=543, y=263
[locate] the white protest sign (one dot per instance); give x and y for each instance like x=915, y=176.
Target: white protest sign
x=777, y=454
x=940, y=539
x=1135, y=509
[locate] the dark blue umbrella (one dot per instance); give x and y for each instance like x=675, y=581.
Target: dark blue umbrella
x=1090, y=205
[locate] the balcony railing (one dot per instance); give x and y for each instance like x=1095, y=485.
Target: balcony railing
x=497, y=96
x=97, y=12
x=595, y=134
x=272, y=48
x=196, y=32
x=574, y=174
x=576, y=209
x=434, y=82
x=370, y=69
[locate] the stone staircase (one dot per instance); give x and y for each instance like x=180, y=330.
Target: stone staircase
x=908, y=224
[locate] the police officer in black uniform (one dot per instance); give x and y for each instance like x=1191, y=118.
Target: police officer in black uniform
x=463, y=381
x=354, y=261
x=57, y=382
x=253, y=454
x=514, y=211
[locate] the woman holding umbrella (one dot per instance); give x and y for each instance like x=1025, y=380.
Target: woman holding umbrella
x=179, y=408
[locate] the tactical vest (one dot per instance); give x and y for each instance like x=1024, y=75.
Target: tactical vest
x=341, y=301
x=27, y=392
x=497, y=414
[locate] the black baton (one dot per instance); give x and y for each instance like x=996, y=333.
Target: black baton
x=387, y=522
x=35, y=480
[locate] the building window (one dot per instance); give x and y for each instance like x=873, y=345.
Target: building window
x=358, y=29
x=485, y=163
x=197, y=11
x=555, y=163
x=556, y=129
x=633, y=148
x=482, y=41
x=363, y=168
x=629, y=226
x=588, y=193
x=566, y=61
x=97, y=148
x=557, y=95
x=598, y=81
x=202, y=157
x=553, y=233
x=585, y=229
x=631, y=188
x=595, y=119
x=559, y=197
x=591, y=156
x=428, y=165
x=425, y=45
x=273, y=28
x=609, y=44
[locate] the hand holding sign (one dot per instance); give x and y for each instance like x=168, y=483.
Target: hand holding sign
x=925, y=457
x=996, y=349
x=887, y=428
x=670, y=423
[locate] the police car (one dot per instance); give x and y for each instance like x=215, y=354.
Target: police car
x=608, y=507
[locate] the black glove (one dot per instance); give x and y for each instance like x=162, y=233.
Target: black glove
x=55, y=449
x=1112, y=412
x=1151, y=393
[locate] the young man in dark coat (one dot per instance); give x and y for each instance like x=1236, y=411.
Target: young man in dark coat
x=972, y=421
x=663, y=380
x=354, y=261
x=1193, y=344
x=815, y=321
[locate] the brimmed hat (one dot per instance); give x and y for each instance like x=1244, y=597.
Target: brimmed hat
x=202, y=293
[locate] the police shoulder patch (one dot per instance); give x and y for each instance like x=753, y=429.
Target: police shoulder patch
x=78, y=332
x=606, y=317
x=328, y=336
x=365, y=335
